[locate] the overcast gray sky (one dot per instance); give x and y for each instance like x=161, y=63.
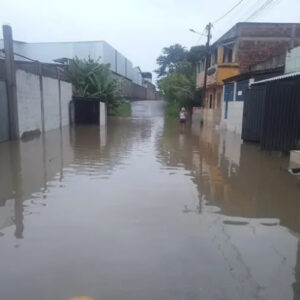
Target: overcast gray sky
x=139, y=29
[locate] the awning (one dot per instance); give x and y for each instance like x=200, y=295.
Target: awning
x=277, y=78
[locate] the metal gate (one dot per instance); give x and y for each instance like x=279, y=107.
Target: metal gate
x=253, y=114
x=4, y=117
x=281, y=125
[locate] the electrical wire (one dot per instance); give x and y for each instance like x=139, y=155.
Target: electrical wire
x=254, y=12
x=257, y=12
x=227, y=13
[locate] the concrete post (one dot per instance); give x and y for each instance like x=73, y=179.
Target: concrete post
x=59, y=98
x=103, y=114
x=10, y=73
x=42, y=96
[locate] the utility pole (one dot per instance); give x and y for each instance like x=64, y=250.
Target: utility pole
x=10, y=73
x=208, y=28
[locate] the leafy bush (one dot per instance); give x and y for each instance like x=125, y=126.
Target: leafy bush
x=91, y=79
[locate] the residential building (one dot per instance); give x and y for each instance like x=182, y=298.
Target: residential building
x=243, y=45
x=236, y=87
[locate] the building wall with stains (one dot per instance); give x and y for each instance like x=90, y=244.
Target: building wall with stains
x=55, y=98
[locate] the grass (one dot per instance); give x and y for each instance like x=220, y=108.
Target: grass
x=172, y=110
x=123, y=110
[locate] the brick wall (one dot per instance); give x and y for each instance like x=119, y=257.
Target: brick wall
x=251, y=52
x=259, y=41
x=268, y=30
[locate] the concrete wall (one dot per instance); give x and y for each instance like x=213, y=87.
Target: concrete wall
x=292, y=63
x=4, y=118
x=211, y=117
x=66, y=96
x=51, y=103
x=234, y=120
x=103, y=114
x=29, y=102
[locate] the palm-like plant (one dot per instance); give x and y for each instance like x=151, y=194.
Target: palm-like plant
x=90, y=79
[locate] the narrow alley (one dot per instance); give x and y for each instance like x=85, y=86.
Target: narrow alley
x=142, y=211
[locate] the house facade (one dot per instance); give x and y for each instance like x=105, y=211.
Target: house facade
x=244, y=45
x=235, y=88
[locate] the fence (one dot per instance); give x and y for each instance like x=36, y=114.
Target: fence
x=253, y=114
x=272, y=115
x=281, y=124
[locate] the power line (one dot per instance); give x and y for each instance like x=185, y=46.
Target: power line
x=254, y=11
x=265, y=5
x=227, y=13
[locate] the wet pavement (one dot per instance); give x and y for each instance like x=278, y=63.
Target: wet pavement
x=142, y=211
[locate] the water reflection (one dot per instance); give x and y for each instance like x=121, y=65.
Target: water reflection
x=251, y=187
x=139, y=210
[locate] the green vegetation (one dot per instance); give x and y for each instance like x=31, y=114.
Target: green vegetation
x=177, y=73
x=123, y=110
x=91, y=79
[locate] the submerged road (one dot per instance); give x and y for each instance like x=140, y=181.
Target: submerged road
x=142, y=211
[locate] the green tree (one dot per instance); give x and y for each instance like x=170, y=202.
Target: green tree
x=170, y=59
x=90, y=79
x=177, y=69
x=195, y=54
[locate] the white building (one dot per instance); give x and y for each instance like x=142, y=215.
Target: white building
x=50, y=52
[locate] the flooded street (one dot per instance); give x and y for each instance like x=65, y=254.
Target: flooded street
x=142, y=211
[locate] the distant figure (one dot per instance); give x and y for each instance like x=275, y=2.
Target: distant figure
x=182, y=118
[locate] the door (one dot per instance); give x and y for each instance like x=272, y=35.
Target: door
x=4, y=118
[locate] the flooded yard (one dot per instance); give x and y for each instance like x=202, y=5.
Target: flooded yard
x=142, y=211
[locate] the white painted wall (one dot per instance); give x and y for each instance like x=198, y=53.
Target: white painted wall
x=103, y=114
x=292, y=63
x=51, y=103
x=66, y=96
x=29, y=102
x=234, y=120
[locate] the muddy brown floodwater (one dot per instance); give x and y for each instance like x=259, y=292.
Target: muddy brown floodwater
x=141, y=211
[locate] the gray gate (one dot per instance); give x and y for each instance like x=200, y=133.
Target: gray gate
x=253, y=114
x=281, y=124
x=4, y=125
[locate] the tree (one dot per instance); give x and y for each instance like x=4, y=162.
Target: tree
x=179, y=87
x=170, y=59
x=91, y=79
x=177, y=67
x=195, y=54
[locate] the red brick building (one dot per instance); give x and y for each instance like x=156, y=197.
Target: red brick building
x=243, y=45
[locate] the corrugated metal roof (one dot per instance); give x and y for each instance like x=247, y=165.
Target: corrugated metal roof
x=281, y=77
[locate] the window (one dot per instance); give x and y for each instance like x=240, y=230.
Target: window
x=201, y=66
x=228, y=53
x=214, y=57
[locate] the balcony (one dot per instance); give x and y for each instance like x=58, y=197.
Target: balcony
x=217, y=73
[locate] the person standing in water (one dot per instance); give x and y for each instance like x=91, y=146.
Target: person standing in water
x=182, y=118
